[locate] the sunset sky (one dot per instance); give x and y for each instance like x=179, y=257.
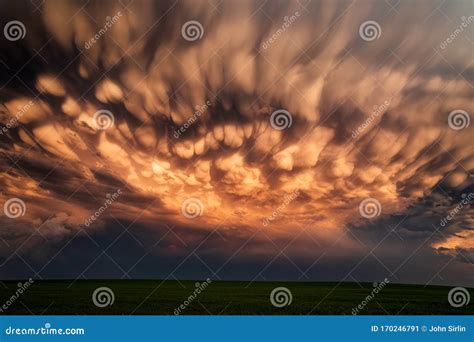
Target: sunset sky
x=256, y=140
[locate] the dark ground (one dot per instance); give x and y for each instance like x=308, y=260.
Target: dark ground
x=156, y=297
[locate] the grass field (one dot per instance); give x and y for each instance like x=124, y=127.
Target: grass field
x=147, y=297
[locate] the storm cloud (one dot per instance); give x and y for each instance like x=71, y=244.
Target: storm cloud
x=277, y=133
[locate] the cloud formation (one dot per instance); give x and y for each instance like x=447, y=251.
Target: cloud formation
x=361, y=119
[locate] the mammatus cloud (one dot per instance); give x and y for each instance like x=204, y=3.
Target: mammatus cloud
x=256, y=105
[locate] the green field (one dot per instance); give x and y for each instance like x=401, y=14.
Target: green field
x=156, y=297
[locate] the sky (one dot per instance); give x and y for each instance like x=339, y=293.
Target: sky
x=253, y=140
